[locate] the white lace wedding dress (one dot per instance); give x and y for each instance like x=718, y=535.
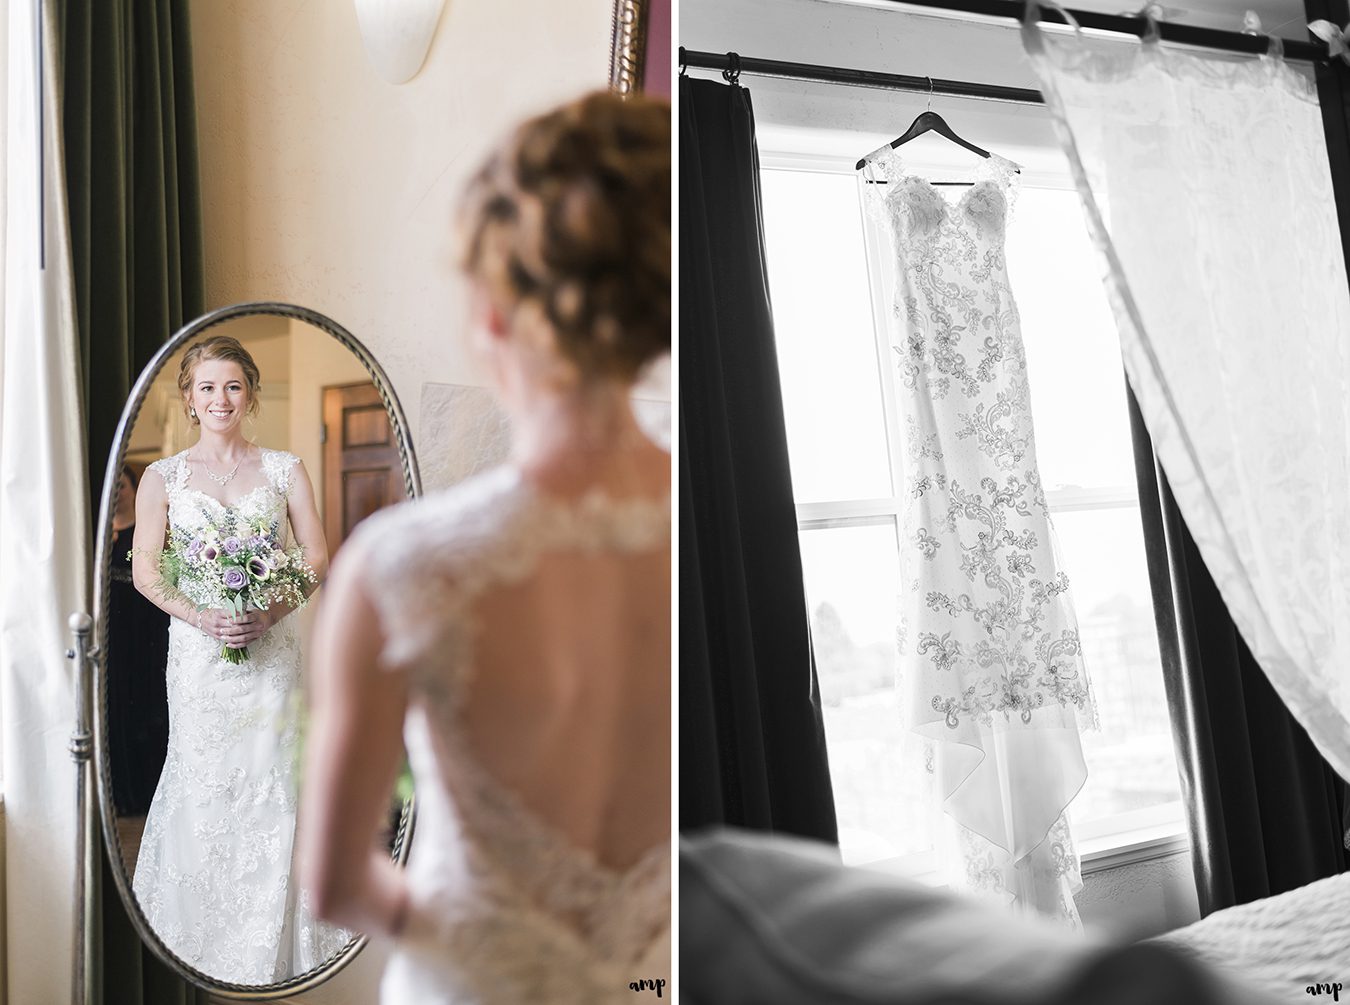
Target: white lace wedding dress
x=506, y=909
x=990, y=657
x=214, y=875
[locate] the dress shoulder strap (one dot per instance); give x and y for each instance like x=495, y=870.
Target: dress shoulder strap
x=279, y=468
x=173, y=470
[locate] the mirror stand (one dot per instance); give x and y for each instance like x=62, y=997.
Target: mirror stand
x=86, y=816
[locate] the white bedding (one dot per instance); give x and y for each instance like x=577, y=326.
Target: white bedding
x=1286, y=943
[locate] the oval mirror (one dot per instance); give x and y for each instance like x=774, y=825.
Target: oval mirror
x=197, y=736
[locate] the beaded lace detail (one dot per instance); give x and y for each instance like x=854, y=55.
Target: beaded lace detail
x=509, y=906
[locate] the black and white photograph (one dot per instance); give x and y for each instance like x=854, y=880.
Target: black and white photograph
x=1013, y=411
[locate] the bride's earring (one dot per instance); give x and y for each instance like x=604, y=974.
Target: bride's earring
x=192, y=412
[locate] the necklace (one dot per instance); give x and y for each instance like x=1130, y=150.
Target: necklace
x=220, y=479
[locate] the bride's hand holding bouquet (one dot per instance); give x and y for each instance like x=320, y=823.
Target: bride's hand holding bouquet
x=240, y=578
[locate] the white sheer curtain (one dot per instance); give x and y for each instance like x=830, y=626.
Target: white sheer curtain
x=1207, y=188
x=44, y=548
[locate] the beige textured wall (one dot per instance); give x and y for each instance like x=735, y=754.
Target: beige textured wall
x=324, y=186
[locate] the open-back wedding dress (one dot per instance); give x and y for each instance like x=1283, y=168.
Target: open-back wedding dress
x=507, y=907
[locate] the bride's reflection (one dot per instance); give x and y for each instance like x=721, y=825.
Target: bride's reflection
x=229, y=543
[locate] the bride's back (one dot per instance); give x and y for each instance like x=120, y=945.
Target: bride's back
x=570, y=701
x=534, y=630
x=527, y=610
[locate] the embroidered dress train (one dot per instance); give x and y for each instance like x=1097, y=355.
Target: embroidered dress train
x=990, y=660
x=214, y=875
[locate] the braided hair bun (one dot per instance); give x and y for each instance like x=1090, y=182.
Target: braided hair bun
x=570, y=220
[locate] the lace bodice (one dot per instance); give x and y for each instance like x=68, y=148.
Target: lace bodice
x=262, y=509
x=917, y=211
x=192, y=509
x=504, y=897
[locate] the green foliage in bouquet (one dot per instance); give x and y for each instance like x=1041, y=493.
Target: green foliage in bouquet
x=235, y=566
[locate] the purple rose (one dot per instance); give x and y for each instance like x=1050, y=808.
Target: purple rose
x=195, y=547
x=258, y=569
x=232, y=545
x=210, y=552
x=235, y=578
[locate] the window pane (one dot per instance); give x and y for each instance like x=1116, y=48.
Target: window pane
x=827, y=358
x=1131, y=762
x=1073, y=353
x=881, y=787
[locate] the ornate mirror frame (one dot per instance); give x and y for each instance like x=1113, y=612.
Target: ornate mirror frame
x=95, y=663
x=628, y=45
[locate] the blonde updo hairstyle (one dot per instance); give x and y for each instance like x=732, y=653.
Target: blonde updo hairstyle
x=567, y=229
x=218, y=347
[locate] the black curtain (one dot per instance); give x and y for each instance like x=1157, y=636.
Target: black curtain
x=752, y=743
x=1266, y=813
x=128, y=124
x=1333, y=94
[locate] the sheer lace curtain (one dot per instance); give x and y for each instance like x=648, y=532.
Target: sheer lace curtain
x=44, y=546
x=1207, y=188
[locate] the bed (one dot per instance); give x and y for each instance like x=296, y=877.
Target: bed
x=768, y=918
x=1284, y=944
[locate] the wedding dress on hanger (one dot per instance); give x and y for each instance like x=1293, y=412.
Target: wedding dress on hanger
x=990, y=659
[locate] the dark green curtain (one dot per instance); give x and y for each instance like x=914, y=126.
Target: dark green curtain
x=130, y=133
x=128, y=123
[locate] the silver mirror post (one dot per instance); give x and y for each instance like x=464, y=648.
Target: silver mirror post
x=81, y=750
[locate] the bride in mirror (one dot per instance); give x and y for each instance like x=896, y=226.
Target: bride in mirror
x=214, y=873
x=520, y=622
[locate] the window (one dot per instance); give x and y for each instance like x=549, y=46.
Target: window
x=829, y=282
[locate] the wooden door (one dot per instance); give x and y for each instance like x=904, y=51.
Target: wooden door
x=362, y=471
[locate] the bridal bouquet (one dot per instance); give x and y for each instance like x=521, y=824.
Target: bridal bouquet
x=236, y=566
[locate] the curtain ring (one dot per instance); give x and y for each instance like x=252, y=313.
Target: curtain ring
x=1031, y=14
x=684, y=67
x=732, y=74
x=930, y=94
x=1251, y=25
x=1153, y=32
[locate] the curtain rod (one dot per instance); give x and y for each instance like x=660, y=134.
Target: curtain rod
x=1132, y=24
x=735, y=64
x=1169, y=31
